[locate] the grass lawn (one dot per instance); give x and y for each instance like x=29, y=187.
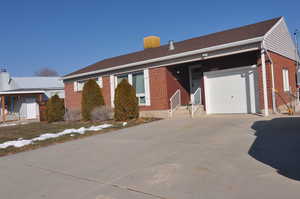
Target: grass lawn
x=32, y=130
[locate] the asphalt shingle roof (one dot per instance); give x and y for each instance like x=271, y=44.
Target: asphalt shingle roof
x=218, y=38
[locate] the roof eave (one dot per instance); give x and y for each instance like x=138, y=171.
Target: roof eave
x=20, y=92
x=169, y=57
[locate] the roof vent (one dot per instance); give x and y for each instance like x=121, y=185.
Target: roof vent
x=171, y=45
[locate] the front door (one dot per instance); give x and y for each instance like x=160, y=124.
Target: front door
x=196, y=79
x=195, y=84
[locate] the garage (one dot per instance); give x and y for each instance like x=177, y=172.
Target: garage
x=231, y=91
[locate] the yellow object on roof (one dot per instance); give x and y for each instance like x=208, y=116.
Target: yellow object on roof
x=151, y=42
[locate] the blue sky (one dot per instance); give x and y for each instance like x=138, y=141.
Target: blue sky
x=69, y=34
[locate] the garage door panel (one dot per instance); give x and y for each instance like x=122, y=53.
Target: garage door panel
x=230, y=91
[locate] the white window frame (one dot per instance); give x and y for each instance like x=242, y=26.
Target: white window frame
x=100, y=82
x=285, y=80
x=80, y=84
x=146, y=85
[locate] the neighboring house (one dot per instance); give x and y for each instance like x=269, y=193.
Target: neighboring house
x=233, y=71
x=21, y=96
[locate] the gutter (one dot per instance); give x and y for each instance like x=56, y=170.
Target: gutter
x=264, y=81
x=188, y=53
x=20, y=92
x=272, y=63
x=273, y=83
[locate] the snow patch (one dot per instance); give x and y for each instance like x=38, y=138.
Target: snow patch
x=20, y=142
x=9, y=124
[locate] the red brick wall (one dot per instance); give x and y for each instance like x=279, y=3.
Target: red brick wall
x=180, y=81
x=158, y=89
x=279, y=63
x=163, y=84
x=260, y=85
x=72, y=99
x=106, y=90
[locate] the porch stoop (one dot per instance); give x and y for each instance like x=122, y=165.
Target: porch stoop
x=186, y=111
x=199, y=110
x=155, y=114
x=180, y=112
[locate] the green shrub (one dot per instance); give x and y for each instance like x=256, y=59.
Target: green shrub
x=55, y=109
x=126, y=102
x=91, y=98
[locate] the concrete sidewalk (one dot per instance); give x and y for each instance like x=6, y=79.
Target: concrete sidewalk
x=206, y=157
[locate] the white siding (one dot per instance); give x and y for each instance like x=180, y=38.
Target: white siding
x=279, y=40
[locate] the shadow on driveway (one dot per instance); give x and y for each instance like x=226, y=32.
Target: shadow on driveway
x=278, y=145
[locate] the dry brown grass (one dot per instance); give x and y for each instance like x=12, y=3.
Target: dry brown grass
x=32, y=130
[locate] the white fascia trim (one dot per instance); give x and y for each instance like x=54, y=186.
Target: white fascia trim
x=230, y=70
x=20, y=92
x=203, y=50
x=190, y=60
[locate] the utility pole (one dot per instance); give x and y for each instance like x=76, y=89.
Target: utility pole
x=296, y=34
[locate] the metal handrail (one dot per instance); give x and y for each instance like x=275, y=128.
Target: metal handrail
x=289, y=105
x=293, y=101
x=196, y=101
x=175, y=101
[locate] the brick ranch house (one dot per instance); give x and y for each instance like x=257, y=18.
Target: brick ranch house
x=250, y=69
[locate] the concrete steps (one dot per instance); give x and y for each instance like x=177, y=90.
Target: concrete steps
x=200, y=111
x=185, y=112
x=180, y=112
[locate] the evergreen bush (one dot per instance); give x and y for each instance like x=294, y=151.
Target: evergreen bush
x=126, y=102
x=55, y=109
x=91, y=98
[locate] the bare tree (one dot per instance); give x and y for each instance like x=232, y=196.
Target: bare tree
x=46, y=72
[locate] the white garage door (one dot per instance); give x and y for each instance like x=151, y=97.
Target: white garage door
x=231, y=90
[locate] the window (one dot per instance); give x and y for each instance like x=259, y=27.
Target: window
x=54, y=93
x=286, y=84
x=137, y=80
x=78, y=85
x=138, y=83
x=121, y=77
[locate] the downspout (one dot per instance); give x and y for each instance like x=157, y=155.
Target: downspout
x=297, y=63
x=273, y=83
x=264, y=79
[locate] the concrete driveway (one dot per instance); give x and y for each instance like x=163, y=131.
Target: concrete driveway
x=207, y=157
